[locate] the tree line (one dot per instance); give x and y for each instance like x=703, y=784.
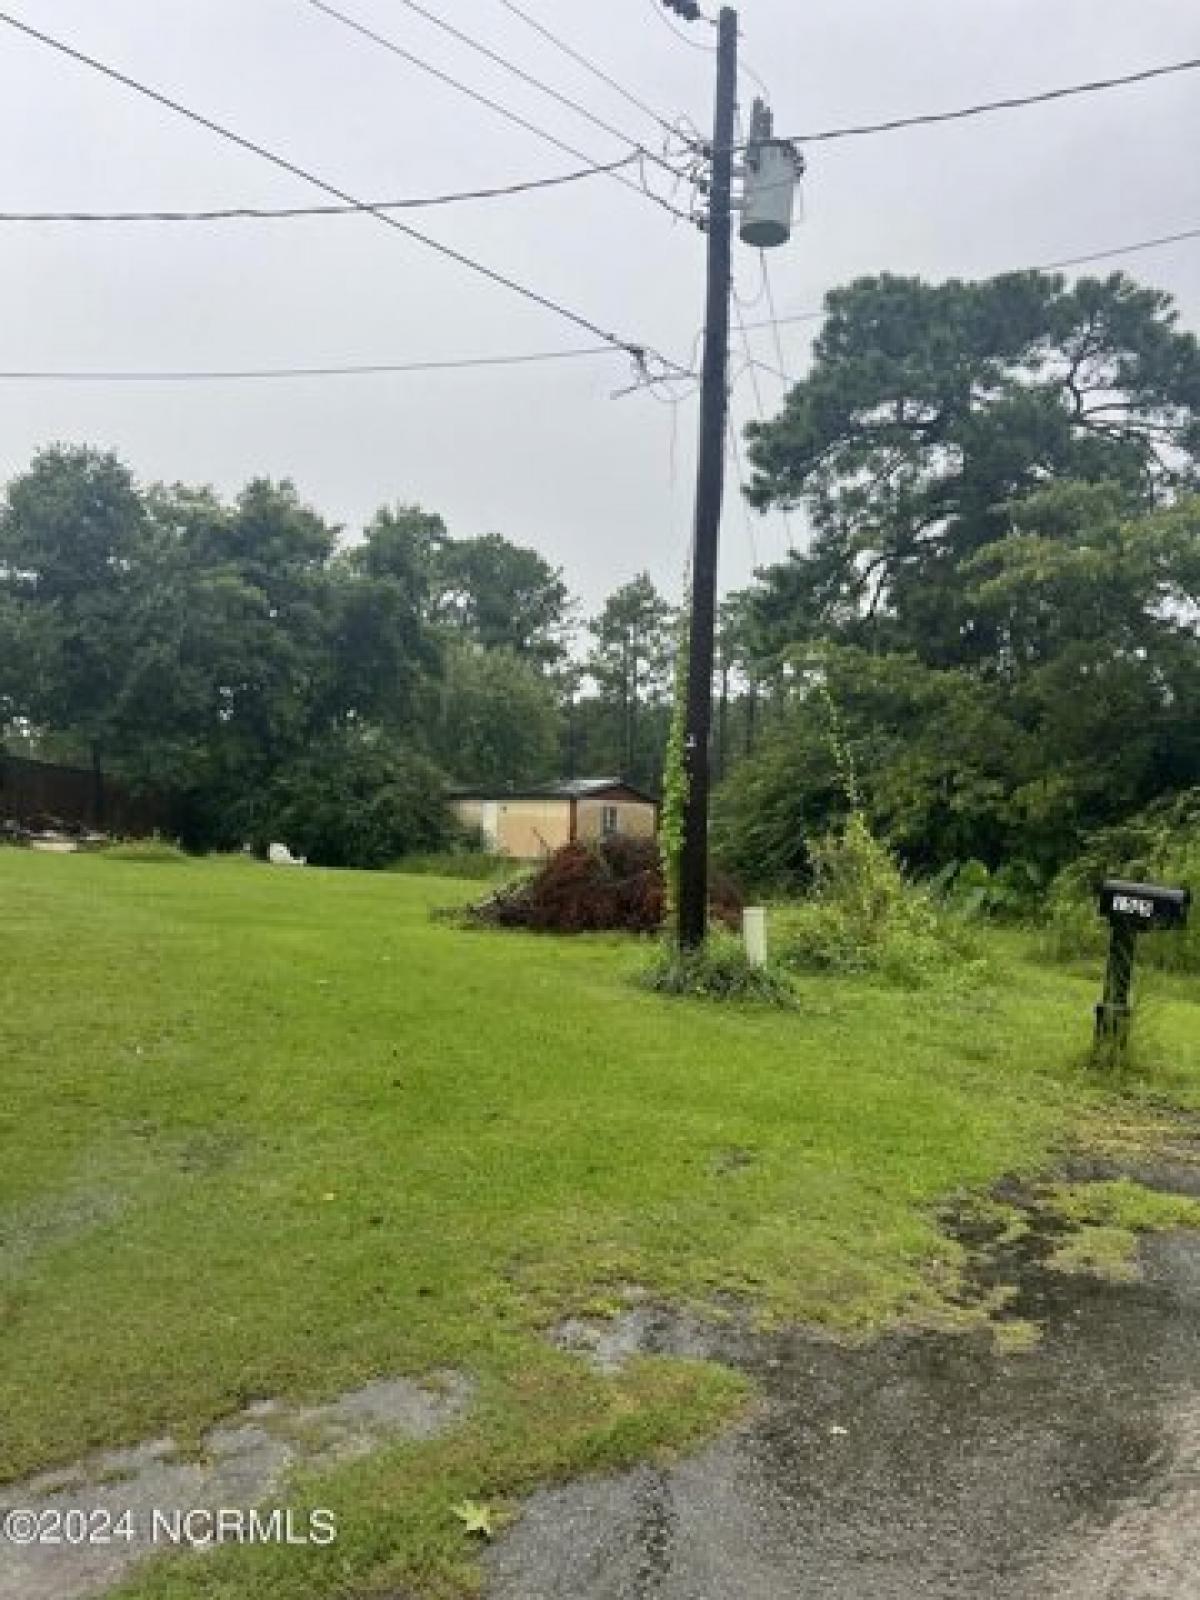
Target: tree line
x=270, y=674
x=993, y=628
x=988, y=641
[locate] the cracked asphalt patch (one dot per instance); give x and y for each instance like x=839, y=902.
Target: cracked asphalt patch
x=244, y=1461
x=920, y=1467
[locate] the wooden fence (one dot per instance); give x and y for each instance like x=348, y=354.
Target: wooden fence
x=34, y=790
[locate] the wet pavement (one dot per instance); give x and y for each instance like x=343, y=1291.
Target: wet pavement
x=920, y=1467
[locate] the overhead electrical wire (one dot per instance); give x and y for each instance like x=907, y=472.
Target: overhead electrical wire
x=592, y=168
x=764, y=366
x=740, y=479
x=1119, y=250
x=638, y=352
x=773, y=317
x=695, y=44
x=588, y=65
x=525, y=77
x=745, y=70
x=962, y=113
x=751, y=367
x=750, y=363
x=240, y=374
x=350, y=206
x=1133, y=248
x=272, y=213
x=988, y=107
x=396, y=49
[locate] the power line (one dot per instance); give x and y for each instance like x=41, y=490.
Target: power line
x=519, y=72
x=750, y=364
x=240, y=374
x=695, y=44
x=272, y=213
x=762, y=417
x=745, y=70
x=390, y=45
x=1133, y=248
x=740, y=479
x=774, y=317
x=762, y=366
x=987, y=107
x=1119, y=250
x=638, y=352
x=588, y=65
x=472, y=94
x=752, y=368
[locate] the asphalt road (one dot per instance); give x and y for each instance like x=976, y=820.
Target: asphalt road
x=924, y=1467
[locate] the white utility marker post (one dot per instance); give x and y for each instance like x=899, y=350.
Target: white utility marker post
x=754, y=934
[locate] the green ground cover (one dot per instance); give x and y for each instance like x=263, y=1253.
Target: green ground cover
x=275, y=1133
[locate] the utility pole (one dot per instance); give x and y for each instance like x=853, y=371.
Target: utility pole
x=710, y=492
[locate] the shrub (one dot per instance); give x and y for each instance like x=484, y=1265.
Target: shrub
x=971, y=888
x=717, y=971
x=616, y=884
x=1162, y=844
x=863, y=916
x=357, y=800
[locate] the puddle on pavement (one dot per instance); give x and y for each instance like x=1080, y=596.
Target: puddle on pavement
x=243, y=1462
x=922, y=1465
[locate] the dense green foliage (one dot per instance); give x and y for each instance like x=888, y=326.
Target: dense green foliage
x=356, y=800
x=863, y=916
x=497, y=718
x=1002, y=588
x=630, y=660
x=1159, y=844
x=277, y=681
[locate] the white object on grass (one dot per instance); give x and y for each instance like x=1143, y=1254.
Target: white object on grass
x=280, y=856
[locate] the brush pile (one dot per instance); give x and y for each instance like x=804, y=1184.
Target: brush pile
x=615, y=885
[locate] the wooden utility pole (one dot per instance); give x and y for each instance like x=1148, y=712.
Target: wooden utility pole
x=710, y=492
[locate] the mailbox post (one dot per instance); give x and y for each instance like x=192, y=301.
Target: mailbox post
x=1131, y=909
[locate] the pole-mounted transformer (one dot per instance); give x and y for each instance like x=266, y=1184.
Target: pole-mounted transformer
x=771, y=170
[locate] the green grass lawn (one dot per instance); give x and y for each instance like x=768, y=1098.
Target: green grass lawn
x=275, y=1133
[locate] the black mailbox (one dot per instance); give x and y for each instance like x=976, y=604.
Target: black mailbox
x=1132, y=908
x=1145, y=905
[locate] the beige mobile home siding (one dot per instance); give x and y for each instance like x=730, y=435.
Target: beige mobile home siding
x=532, y=828
x=635, y=818
x=524, y=828
x=469, y=812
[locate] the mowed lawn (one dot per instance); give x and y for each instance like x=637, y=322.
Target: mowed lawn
x=266, y=1132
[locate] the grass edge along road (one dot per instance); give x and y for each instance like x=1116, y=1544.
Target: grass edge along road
x=272, y=1133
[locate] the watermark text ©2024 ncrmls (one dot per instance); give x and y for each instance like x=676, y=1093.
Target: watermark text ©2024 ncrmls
x=197, y=1527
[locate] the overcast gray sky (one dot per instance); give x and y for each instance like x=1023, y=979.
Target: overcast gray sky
x=540, y=454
